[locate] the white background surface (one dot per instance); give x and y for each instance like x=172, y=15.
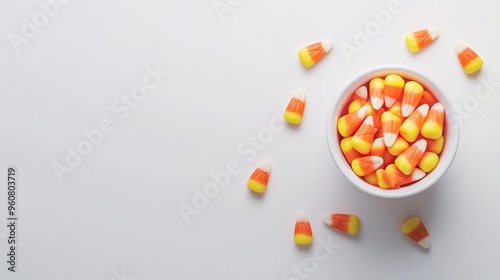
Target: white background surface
x=116, y=215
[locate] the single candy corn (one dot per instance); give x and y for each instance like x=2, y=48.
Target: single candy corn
x=412, y=94
x=415, y=229
x=345, y=222
x=471, y=62
x=313, y=53
x=365, y=165
x=377, y=93
x=393, y=89
x=408, y=160
x=390, y=127
x=386, y=180
x=419, y=39
x=295, y=109
x=363, y=138
x=410, y=129
x=361, y=93
x=402, y=179
x=259, y=178
x=303, y=233
x=433, y=125
x=399, y=146
x=349, y=152
x=428, y=161
x=348, y=124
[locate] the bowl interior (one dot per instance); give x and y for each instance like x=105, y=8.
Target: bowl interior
x=451, y=132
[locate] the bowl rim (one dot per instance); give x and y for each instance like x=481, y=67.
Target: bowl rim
x=451, y=122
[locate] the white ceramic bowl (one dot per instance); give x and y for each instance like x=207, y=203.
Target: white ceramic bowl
x=451, y=133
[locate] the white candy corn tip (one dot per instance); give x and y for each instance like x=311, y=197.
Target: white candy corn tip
x=302, y=217
x=417, y=174
x=434, y=32
x=300, y=94
x=460, y=46
x=327, y=45
x=327, y=219
x=376, y=102
x=438, y=107
x=369, y=120
x=362, y=92
x=426, y=242
x=362, y=112
x=265, y=165
x=377, y=161
x=406, y=110
x=421, y=144
x=389, y=101
x=390, y=139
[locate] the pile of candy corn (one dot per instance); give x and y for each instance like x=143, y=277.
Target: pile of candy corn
x=392, y=132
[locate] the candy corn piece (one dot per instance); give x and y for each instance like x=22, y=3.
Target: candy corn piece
x=355, y=105
x=377, y=93
x=258, y=179
x=295, y=109
x=313, y=53
x=348, y=124
x=435, y=145
x=396, y=109
x=433, y=125
x=363, y=138
x=345, y=222
x=371, y=179
x=349, y=152
x=415, y=229
x=412, y=94
x=365, y=165
x=402, y=179
x=471, y=62
x=390, y=127
x=428, y=161
x=393, y=89
x=419, y=39
x=408, y=160
x=386, y=180
x=303, y=233
x=410, y=129
x=361, y=93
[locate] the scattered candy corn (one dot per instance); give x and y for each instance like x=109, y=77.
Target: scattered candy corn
x=471, y=62
x=303, y=233
x=258, y=179
x=295, y=109
x=419, y=39
x=415, y=229
x=313, y=53
x=348, y=223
